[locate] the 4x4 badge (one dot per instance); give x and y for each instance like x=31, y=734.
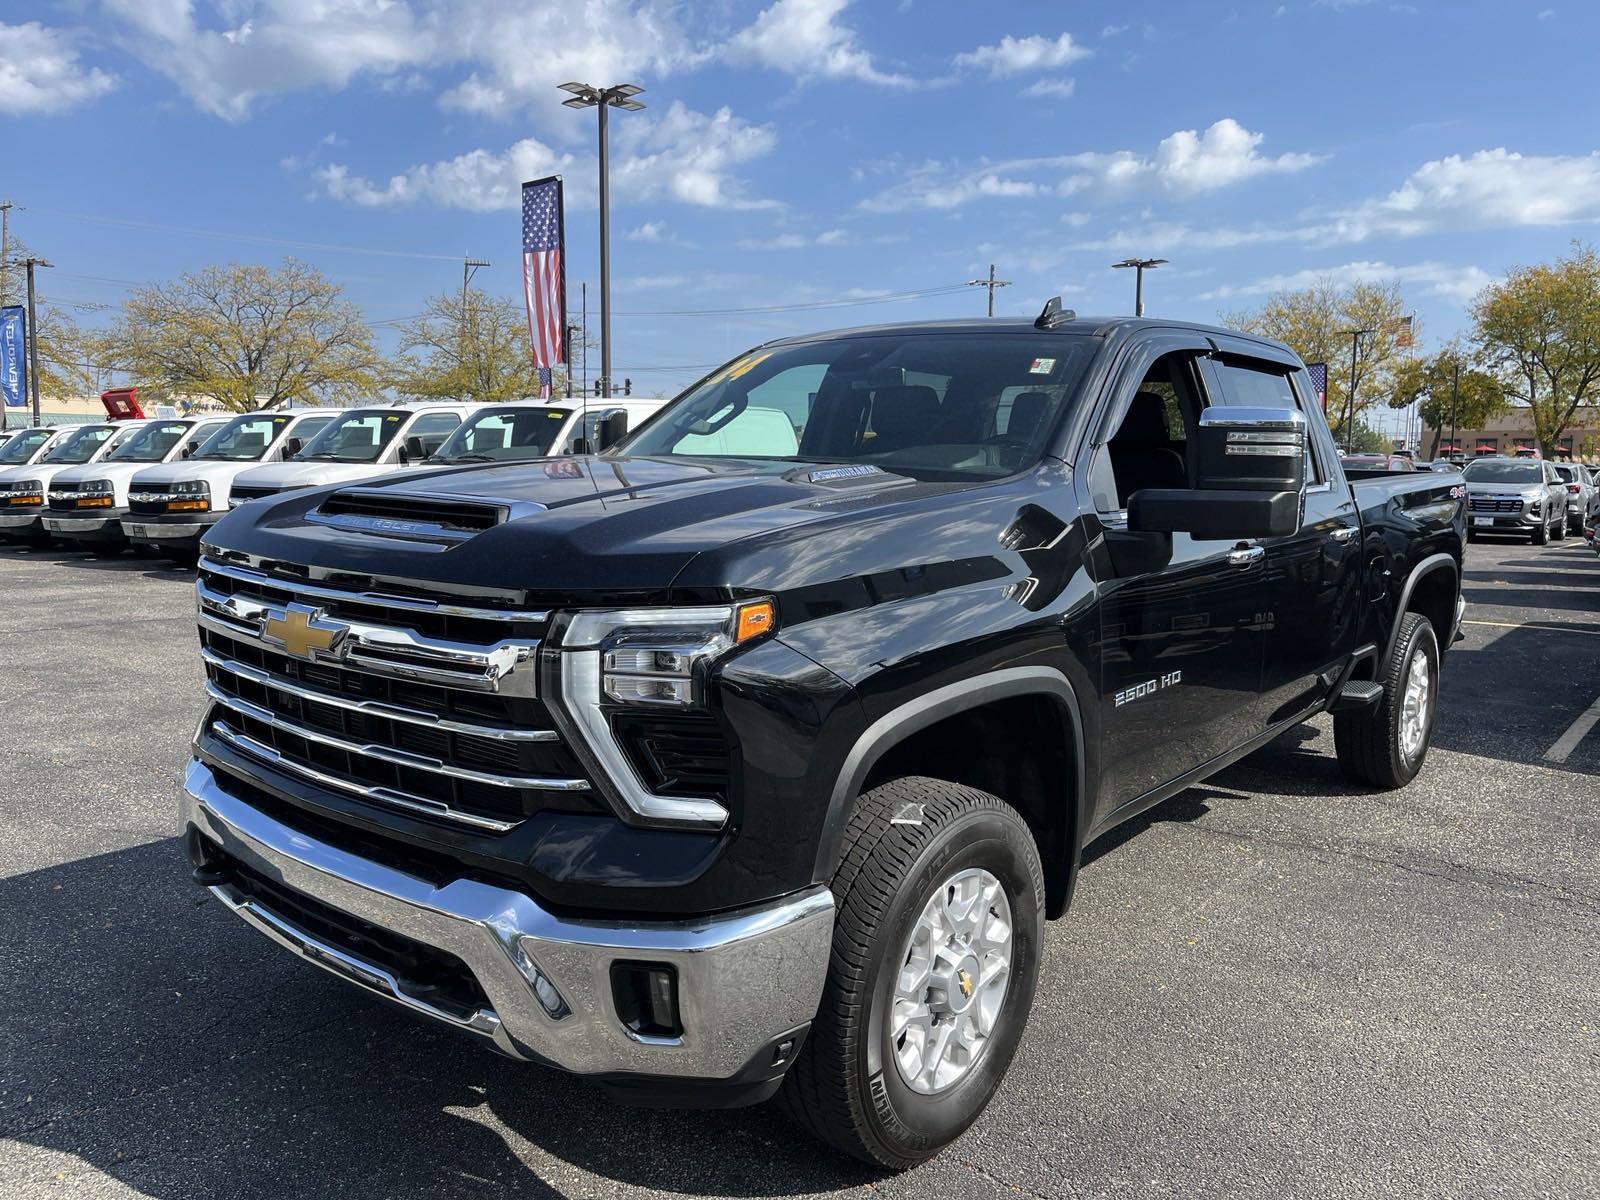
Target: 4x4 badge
x=301, y=629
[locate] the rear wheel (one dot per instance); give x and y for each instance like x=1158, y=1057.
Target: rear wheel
x=934, y=963
x=1384, y=745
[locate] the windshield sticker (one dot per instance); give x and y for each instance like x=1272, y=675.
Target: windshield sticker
x=1042, y=366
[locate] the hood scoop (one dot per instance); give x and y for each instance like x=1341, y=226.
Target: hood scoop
x=413, y=516
x=844, y=476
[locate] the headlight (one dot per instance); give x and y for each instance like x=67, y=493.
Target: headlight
x=191, y=487
x=96, y=487
x=655, y=657
x=661, y=656
x=28, y=492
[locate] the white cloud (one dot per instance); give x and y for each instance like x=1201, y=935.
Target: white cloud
x=650, y=231
x=1492, y=189
x=679, y=155
x=804, y=38
x=1013, y=55
x=797, y=241
x=40, y=72
x=1061, y=88
x=1185, y=163
x=1459, y=284
x=1111, y=31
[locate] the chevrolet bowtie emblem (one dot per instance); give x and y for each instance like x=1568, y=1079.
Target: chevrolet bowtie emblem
x=301, y=629
x=965, y=979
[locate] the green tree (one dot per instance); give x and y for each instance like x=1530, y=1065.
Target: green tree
x=66, y=352
x=1316, y=322
x=1450, y=388
x=246, y=336
x=471, y=349
x=1539, y=330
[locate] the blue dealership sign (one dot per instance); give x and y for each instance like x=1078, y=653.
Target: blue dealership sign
x=13, y=351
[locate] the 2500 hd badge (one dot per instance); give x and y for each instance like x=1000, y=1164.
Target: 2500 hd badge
x=751, y=757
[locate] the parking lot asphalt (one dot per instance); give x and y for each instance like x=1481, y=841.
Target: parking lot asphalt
x=1272, y=985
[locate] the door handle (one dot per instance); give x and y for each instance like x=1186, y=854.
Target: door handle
x=1343, y=534
x=1243, y=556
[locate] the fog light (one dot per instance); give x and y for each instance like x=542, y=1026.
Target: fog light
x=646, y=996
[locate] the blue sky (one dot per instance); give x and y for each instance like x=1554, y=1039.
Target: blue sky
x=806, y=151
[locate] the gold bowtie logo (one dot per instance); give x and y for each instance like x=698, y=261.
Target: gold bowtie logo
x=300, y=630
x=965, y=979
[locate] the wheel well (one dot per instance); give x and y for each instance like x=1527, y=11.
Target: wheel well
x=1020, y=749
x=1434, y=596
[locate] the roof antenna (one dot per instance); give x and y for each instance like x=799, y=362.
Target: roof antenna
x=1054, y=314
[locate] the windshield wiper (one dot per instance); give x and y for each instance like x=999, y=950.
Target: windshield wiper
x=468, y=458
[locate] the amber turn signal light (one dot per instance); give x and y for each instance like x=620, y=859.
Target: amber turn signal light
x=754, y=619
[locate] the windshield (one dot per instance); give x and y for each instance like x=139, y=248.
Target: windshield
x=504, y=434
x=150, y=444
x=80, y=445
x=1501, y=471
x=356, y=437
x=244, y=439
x=940, y=406
x=25, y=445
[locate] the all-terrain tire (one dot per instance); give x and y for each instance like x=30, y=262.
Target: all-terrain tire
x=904, y=840
x=1369, y=741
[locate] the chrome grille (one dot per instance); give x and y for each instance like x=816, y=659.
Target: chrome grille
x=1493, y=504
x=431, y=724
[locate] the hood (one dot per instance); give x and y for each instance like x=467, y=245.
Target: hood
x=1503, y=488
x=218, y=473
x=289, y=475
x=118, y=474
x=44, y=472
x=632, y=525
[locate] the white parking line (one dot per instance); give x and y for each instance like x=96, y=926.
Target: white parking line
x=1535, y=628
x=1568, y=741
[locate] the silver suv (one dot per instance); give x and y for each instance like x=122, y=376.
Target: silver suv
x=1515, y=495
x=1583, y=494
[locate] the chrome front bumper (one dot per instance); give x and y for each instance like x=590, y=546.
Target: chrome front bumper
x=98, y=524
x=22, y=520
x=145, y=529
x=744, y=979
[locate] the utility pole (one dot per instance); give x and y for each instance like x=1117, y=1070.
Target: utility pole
x=469, y=268
x=33, y=336
x=991, y=283
x=620, y=95
x=1455, y=396
x=573, y=332
x=1350, y=401
x=1140, y=266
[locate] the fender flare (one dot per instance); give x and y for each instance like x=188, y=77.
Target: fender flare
x=1434, y=562
x=900, y=723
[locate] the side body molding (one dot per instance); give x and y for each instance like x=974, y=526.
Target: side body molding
x=899, y=723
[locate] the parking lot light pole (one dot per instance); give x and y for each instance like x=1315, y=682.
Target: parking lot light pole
x=1140, y=266
x=33, y=336
x=620, y=95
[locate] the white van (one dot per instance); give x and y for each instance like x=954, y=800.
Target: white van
x=23, y=487
x=358, y=444
x=87, y=503
x=524, y=429
x=171, y=506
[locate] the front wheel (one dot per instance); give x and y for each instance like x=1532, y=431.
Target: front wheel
x=934, y=964
x=1541, y=535
x=1384, y=745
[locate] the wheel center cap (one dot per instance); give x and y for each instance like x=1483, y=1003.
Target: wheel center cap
x=964, y=984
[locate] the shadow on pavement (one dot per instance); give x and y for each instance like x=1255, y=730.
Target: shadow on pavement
x=154, y=1036
x=127, y=562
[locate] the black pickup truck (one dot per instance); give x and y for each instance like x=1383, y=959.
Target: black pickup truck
x=751, y=755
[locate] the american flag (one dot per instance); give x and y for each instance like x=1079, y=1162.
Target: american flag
x=1319, y=381
x=543, y=283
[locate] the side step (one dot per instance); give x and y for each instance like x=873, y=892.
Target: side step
x=1356, y=693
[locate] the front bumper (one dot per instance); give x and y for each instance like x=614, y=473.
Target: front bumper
x=748, y=982
x=168, y=528
x=22, y=524
x=103, y=526
x=1521, y=522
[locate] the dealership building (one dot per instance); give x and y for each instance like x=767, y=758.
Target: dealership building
x=1512, y=431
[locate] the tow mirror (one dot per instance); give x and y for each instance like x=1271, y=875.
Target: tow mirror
x=293, y=446
x=412, y=450
x=188, y=451
x=1249, y=479
x=613, y=428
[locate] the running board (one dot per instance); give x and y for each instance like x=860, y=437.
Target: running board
x=1356, y=693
